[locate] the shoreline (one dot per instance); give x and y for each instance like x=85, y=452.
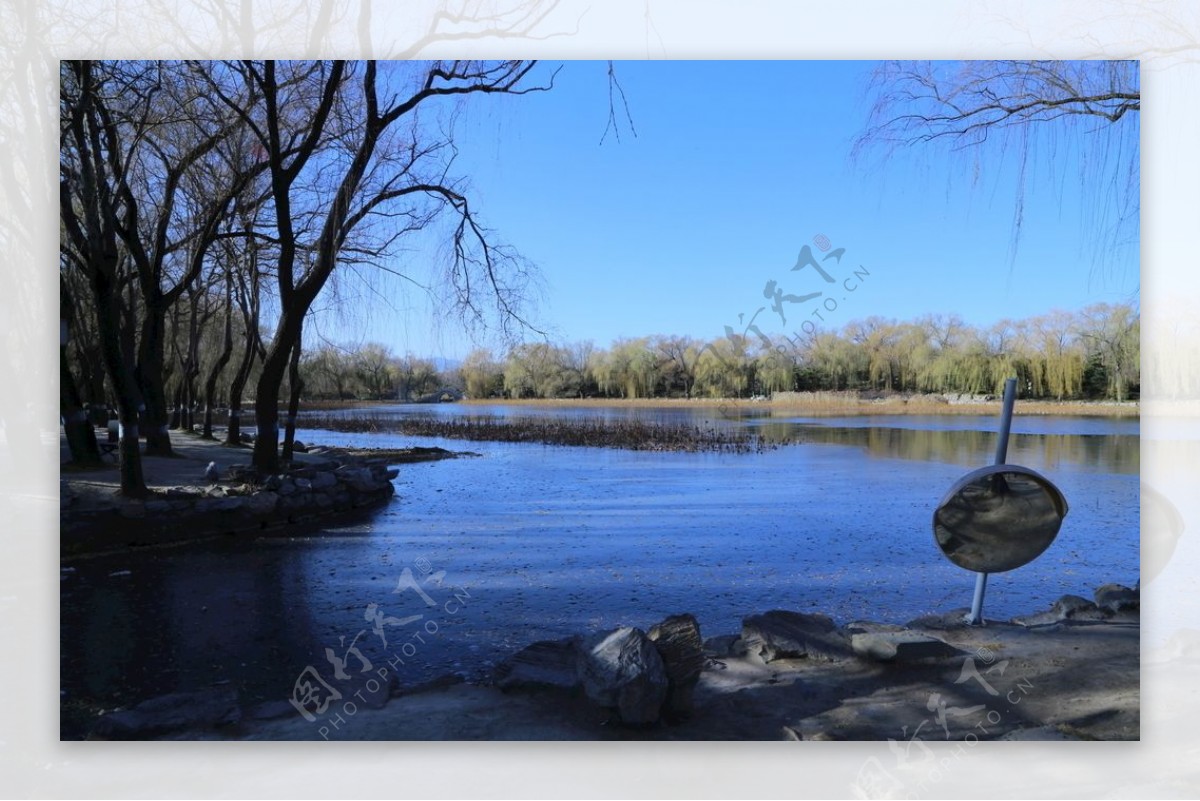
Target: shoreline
x=830, y=404
x=322, y=485
x=1068, y=673
x=703, y=425
x=816, y=404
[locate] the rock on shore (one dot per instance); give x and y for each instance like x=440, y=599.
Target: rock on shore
x=1071, y=672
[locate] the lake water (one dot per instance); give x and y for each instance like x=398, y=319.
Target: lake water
x=529, y=542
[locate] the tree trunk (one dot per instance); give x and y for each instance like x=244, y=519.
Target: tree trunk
x=266, y=410
x=189, y=394
x=193, y=389
x=149, y=374
x=214, y=372
x=83, y=348
x=248, y=302
x=184, y=399
x=108, y=314
x=296, y=385
x=191, y=364
x=94, y=238
x=81, y=436
x=233, y=434
x=176, y=403
x=266, y=400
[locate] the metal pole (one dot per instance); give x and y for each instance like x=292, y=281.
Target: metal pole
x=1006, y=413
x=976, y=616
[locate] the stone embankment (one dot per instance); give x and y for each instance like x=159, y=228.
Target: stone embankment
x=95, y=518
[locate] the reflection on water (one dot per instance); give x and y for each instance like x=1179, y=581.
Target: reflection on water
x=1118, y=453
x=745, y=414
x=183, y=619
x=1106, y=444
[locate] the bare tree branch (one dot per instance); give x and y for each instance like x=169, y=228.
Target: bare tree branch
x=989, y=109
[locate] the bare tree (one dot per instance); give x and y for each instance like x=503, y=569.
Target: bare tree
x=345, y=145
x=222, y=358
x=80, y=435
x=1078, y=113
x=413, y=376
x=150, y=130
x=680, y=357
x=91, y=163
x=482, y=375
x=1112, y=334
x=174, y=217
x=373, y=364
x=248, y=294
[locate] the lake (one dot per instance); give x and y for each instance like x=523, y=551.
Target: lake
x=529, y=542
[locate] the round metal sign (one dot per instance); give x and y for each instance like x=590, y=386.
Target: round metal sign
x=998, y=518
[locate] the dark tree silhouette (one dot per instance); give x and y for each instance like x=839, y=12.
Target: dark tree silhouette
x=344, y=146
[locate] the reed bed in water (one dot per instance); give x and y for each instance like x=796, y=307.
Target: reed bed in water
x=840, y=404
x=636, y=435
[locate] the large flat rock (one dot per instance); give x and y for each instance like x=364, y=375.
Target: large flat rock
x=794, y=635
x=549, y=664
x=1066, y=608
x=900, y=646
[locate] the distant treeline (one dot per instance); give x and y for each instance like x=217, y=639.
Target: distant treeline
x=1089, y=354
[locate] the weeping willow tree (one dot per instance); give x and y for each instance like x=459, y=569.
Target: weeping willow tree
x=540, y=370
x=630, y=369
x=1042, y=119
x=1112, y=332
x=482, y=376
x=877, y=338
x=725, y=368
x=914, y=354
x=1060, y=355
x=776, y=371
x=838, y=361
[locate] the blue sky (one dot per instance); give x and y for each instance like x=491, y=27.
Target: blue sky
x=736, y=166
